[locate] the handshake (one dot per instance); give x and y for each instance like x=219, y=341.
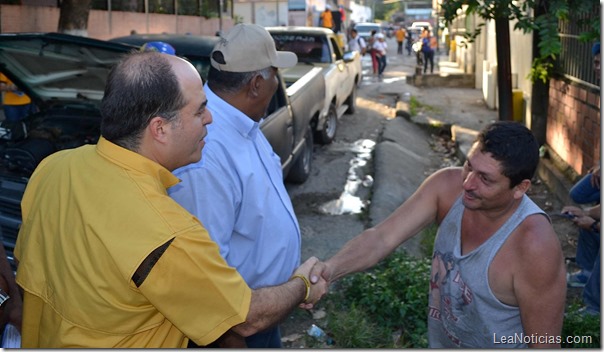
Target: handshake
x=316, y=276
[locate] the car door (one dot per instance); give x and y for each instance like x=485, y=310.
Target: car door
x=278, y=125
x=345, y=77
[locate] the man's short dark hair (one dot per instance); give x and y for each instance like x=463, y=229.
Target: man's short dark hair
x=141, y=86
x=514, y=146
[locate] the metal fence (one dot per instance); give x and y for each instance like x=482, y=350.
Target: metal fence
x=576, y=60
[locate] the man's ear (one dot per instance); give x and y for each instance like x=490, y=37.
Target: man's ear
x=158, y=129
x=521, y=188
x=255, y=85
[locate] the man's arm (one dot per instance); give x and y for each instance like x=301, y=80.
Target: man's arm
x=540, y=282
x=374, y=244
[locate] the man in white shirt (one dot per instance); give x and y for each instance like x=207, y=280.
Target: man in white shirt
x=357, y=43
x=237, y=189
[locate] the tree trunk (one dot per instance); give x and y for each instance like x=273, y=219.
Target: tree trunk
x=504, y=69
x=540, y=90
x=74, y=17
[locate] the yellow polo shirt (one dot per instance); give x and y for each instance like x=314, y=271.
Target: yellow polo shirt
x=13, y=98
x=91, y=216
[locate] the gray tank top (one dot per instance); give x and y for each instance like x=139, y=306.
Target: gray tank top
x=463, y=311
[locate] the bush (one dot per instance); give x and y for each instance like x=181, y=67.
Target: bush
x=579, y=326
x=394, y=295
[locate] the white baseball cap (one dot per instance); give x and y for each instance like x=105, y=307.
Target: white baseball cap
x=247, y=48
x=380, y=35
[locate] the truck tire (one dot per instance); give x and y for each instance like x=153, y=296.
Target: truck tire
x=301, y=169
x=330, y=126
x=351, y=101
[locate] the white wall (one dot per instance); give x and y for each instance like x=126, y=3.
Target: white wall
x=360, y=13
x=263, y=13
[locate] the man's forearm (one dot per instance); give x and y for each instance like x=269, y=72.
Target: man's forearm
x=270, y=305
x=358, y=254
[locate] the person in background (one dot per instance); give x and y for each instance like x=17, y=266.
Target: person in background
x=370, y=44
x=588, y=255
x=17, y=104
x=381, y=49
x=237, y=188
x=400, y=38
x=497, y=268
x=409, y=43
x=427, y=50
x=108, y=259
x=327, y=18
x=357, y=43
x=587, y=192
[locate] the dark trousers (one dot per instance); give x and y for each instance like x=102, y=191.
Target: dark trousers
x=399, y=50
x=382, y=64
x=429, y=57
x=267, y=339
x=270, y=338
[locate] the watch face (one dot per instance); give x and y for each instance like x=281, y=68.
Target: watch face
x=3, y=297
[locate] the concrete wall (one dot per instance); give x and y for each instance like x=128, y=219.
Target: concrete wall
x=105, y=25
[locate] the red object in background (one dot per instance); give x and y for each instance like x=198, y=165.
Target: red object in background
x=343, y=13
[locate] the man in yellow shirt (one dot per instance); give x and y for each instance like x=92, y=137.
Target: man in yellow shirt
x=327, y=18
x=400, y=38
x=108, y=259
x=17, y=105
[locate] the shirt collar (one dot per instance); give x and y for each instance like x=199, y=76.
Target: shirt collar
x=134, y=161
x=223, y=112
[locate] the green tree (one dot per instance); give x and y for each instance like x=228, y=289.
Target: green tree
x=539, y=16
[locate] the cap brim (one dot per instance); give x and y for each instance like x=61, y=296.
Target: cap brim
x=285, y=59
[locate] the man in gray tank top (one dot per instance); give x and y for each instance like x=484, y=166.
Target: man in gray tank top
x=498, y=275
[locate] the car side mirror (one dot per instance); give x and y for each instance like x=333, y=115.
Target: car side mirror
x=349, y=56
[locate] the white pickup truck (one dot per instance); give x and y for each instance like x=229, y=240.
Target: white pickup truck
x=318, y=47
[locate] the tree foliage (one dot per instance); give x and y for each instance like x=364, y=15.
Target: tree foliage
x=545, y=25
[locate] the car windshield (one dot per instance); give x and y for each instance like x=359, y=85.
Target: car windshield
x=309, y=48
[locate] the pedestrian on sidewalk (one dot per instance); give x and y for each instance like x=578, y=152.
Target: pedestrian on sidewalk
x=370, y=46
x=497, y=262
x=327, y=18
x=428, y=50
x=356, y=42
x=381, y=49
x=409, y=42
x=400, y=38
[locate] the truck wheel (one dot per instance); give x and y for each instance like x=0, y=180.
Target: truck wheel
x=330, y=126
x=301, y=169
x=351, y=101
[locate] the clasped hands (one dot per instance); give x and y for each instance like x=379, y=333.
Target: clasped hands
x=319, y=276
